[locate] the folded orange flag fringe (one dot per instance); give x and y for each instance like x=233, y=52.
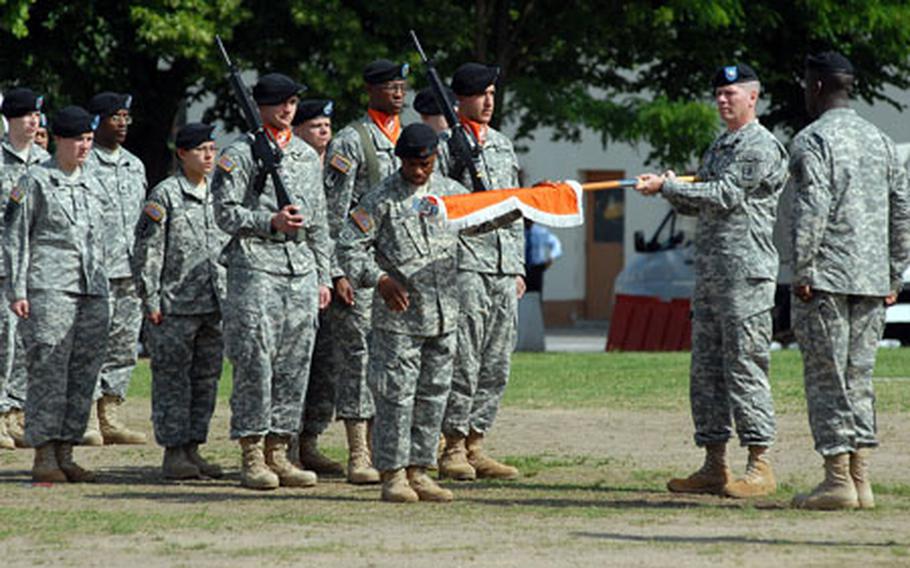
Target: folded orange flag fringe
x=551, y=204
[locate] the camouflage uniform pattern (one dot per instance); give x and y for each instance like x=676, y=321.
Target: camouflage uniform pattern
x=54, y=253
x=270, y=315
x=851, y=243
x=736, y=265
x=411, y=352
x=177, y=274
x=320, y=392
x=346, y=182
x=124, y=185
x=13, y=375
x=488, y=264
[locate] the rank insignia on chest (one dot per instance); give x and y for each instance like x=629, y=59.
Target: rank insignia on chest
x=226, y=164
x=340, y=163
x=154, y=211
x=17, y=194
x=362, y=219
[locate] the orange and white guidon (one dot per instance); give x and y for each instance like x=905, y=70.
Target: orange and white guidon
x=551, y=204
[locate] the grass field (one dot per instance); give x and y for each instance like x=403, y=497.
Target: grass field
x=595, y=435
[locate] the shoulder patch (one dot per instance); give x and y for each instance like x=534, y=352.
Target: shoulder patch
x=154, y=211
x=340, y=163
x=17, y=194
x=362, y=219
x=226, y=164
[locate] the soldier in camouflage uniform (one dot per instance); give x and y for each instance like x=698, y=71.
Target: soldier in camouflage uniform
x=22, y=108
x=54, y=254
x=278, y=277
x=411, y=262
x=741, y=178
x=851, y=244
x=362, y=154
x=490, y=282
x=181, y=286
x=122, y=177
x=313, y=125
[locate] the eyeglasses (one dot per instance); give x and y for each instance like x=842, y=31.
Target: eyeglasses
x=394, y=87
x=121, y=119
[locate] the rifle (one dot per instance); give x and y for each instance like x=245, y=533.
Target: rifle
x=264, y=152
x=461, y=147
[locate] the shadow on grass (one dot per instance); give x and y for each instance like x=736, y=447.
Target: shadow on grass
x=186, y=497
x=730, y=539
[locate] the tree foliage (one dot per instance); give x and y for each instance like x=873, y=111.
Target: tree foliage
x=634, y=71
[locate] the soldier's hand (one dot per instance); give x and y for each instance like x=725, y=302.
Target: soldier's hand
x=344, y=290
x=520, y=286
x=891, y=299
x=21, y=308
x=649, y=184
x=325, y=296
x=393, y=293
x=803, y=292
x=155, y=318
x=288, y=220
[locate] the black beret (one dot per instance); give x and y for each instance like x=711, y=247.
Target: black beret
x=733, y=74
x=473, y=79
x=417, y=140
x=425, y=102
x=20, y=102
x=383, y=70
x=73, y=121
x=275, y=88
x=829, y=62
x=194, y=134
x=311, y=108
x=109, y=103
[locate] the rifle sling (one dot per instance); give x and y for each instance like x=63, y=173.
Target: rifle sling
x=369, y=153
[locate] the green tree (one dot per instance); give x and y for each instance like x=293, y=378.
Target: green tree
x=159, y=51
x=635, y=71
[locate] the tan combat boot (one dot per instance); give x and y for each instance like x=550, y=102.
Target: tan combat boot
x=207, y=468
x=6, y=442
x=92, y=435
x=311, y=458
x=484, y=465
x=45, y=469
x=426, y=488
x=859, y=471
x=15, y=427
x=276, y=458
x=395, y=487
x=253, y=473
x=360, y=464
x=73, y=471
x=112, y=429
x=713, y=476
x=454, y=461
x=758, y=480
x=176, y=465
x=837, y=491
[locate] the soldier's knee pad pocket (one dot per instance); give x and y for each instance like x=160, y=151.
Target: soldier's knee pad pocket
x=393, y=384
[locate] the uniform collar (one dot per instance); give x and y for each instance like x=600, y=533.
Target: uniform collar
x=60, y=178
x=29, y=153
x=199, y=193
x=108, y=156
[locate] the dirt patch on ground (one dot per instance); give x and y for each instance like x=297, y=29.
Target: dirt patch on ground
x=593, y=495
